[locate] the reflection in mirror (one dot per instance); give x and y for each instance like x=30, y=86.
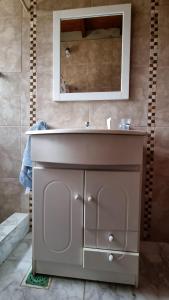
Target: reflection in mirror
x=91, y=50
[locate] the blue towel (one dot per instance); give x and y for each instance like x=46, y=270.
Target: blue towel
x=25, y=176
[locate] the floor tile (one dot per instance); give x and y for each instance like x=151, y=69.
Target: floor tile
x=12, y=292
x=103, y=291
x=11, y=275
x=23, y=251
x=153, y=283
x=52, y=294
x=28, y=236
x=68, y=288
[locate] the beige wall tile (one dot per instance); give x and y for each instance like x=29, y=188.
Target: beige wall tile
x=24, y=206
x=162, y=110
x=162, y=82
x=163, y=49
x=63, y=115
x=162, y=115
x=10, y=41
x=25, y=101
x=14, y=38
x=100, y=2
x=54, y=4
x=138, y=84
x=100, y=111
x=25, y=44
x=25, y=110
x=44, y=89
x=10, y=111
x=44, y=57
x=164, y=2
x=107, y=2
x=10, y=152
x=45, y=43
x=160, y=205
x=10, y=8
x=10, y=85
x=139, y=51
x=45, y=29
x=10, y=192
x=140, y=24
x=137, y=5
x=140, y=6
x=24, y=138
x=163, y=15
x=81, y=3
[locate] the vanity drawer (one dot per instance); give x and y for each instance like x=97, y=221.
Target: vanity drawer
x=112, y=261
x=114, y=240
x=118, y=240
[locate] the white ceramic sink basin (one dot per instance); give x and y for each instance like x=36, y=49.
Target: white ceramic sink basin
x=86, y=131
x=85, y=146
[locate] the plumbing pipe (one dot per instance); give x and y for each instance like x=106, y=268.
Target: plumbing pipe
x=25, y=6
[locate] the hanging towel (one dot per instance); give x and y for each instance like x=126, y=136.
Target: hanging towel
x=25, y=176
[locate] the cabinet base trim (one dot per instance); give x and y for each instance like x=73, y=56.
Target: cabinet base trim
x=60, y=270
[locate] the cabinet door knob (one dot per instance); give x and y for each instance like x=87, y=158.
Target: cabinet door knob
x=111, y=238
x=89, y=198
x=77, y=197
x=111, y=257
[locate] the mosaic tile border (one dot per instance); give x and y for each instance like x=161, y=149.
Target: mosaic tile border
x=33, y=74
x=153, y=63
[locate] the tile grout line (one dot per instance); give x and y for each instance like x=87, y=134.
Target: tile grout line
x=84, y=290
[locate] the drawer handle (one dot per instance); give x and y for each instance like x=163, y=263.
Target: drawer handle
x=89, y=198
x=111, y=257
x=111, y=238
x=77, y=197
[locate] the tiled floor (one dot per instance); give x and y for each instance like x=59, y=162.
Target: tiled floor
x=154, y=279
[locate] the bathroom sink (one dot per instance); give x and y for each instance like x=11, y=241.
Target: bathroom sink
x=86, y=131
x=87, y=147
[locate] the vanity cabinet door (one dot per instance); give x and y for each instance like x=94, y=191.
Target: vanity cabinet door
x=112, y=209
x=58, y=215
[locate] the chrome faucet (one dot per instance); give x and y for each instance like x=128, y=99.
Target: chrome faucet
x=87, y=124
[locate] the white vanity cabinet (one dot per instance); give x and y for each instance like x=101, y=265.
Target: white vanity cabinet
x=112, y=210
x=86, y=217
x=58, y=215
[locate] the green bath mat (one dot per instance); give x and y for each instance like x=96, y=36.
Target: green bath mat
x=37, y=281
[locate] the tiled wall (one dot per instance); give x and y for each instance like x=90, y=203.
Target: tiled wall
x=14, y=95
x=160, y=205
x=76, y=113
x=14, y=102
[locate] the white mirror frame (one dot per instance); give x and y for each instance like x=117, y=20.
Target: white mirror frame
x=109, y=10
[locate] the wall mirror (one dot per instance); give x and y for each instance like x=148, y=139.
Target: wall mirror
x=91, y=53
